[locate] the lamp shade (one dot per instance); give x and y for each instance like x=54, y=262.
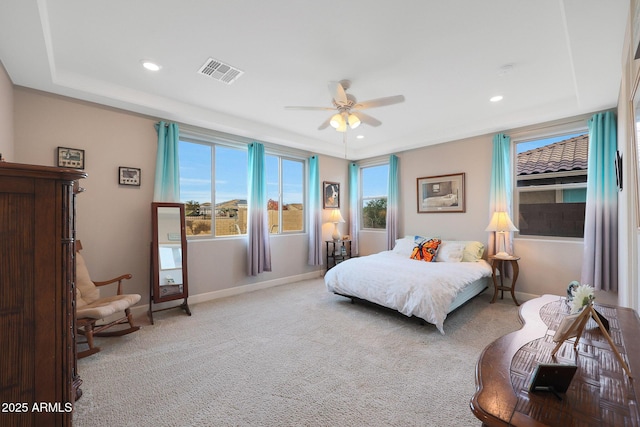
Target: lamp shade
x=336, y=121
x=335, y=216
x=354, y=121
x=501, y=222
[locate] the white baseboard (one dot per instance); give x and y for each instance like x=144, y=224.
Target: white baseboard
x=141, y=310
x=521, y=296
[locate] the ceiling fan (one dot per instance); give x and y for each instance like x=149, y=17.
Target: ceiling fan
x=348, y=109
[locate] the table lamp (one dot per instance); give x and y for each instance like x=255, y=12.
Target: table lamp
x=501, y=224
x=335, y=218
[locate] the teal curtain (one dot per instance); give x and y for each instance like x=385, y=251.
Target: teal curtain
x=500, y=189
x=354, y=215
x=600, y=257
x=315, y=213
x=393, y=202
x=167, y=180
x=259, y=249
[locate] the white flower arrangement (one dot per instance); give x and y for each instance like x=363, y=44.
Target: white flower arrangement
x=583, y=295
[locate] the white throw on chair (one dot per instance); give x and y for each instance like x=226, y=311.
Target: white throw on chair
x=90, y=307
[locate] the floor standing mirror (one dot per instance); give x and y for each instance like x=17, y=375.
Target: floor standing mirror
x=169, y=278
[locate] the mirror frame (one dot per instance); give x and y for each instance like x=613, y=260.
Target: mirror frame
x=155, y=296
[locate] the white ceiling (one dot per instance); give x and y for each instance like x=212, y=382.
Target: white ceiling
x=444, y=57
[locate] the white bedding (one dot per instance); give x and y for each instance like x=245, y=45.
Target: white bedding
x=412, y=287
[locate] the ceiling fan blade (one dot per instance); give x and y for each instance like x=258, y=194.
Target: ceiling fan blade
x=325, y=124
x=337, y=93
x=380, y=102
x=309, y=108
x=365, y=118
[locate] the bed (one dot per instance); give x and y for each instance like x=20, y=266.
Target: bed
x=440, y=201
x=428, y=290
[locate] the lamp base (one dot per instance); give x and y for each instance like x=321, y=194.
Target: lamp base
x=502, y=246
x=336, y=233
x=502, y=254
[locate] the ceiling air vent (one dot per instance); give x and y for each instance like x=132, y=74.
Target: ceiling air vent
x=220, y=71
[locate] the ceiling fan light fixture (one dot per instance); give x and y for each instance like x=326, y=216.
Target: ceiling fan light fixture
x=342, y=127
x=354, y=121
x=336, y=121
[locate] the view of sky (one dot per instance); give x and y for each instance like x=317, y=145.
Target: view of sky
x=195, y=172
x=231, y=175
x=375, y=181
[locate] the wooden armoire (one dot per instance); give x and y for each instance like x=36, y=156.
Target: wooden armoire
x=38, y=371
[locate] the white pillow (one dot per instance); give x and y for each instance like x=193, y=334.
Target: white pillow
x=473, y=251
x=404, y=246
x=450, y=251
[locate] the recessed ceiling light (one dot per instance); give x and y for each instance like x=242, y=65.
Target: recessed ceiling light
x=360, y=136
x=151, y=66
x=496, y=98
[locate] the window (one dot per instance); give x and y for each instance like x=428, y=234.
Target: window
x=285, y=194
x=230, y=191
x=551, y=185
x=195, y=186
x=228, y=214
x=218, y=172
x=374, y=191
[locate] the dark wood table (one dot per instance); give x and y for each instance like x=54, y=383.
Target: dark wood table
x=600, y=394
x=498, y=263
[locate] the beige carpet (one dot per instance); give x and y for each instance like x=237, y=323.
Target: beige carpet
x=293, y=355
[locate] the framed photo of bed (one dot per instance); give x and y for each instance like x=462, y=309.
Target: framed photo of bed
x=441, y=193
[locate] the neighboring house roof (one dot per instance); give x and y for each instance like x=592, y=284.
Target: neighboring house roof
x=567, y=155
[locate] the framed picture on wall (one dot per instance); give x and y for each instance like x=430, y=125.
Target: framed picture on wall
x=70, y=158
x=441, y=193
x=129, y=176
x=330, y=195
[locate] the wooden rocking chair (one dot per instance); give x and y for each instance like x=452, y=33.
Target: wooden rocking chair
x=90, y=307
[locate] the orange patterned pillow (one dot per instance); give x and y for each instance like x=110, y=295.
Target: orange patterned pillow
x=426, y=250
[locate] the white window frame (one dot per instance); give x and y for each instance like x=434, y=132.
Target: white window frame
x=362, y=198
x=304, y=162
x=565, y=129
x=215, y=138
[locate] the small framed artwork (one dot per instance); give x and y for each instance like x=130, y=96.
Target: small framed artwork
x=330, y=195
x=568, y=328
x=441, y=193
x=128, y=176
x=70, y=158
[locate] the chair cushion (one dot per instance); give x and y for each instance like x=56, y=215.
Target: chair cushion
x=105, y=307
x=86, y=291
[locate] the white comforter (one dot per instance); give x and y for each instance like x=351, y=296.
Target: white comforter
x=414, y=288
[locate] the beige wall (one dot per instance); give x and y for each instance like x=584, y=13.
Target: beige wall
x=546, y=266
x=6, y=115
x=114, y=222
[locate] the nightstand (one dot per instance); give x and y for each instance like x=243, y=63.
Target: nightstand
x=498, y=263
x=337, y=251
